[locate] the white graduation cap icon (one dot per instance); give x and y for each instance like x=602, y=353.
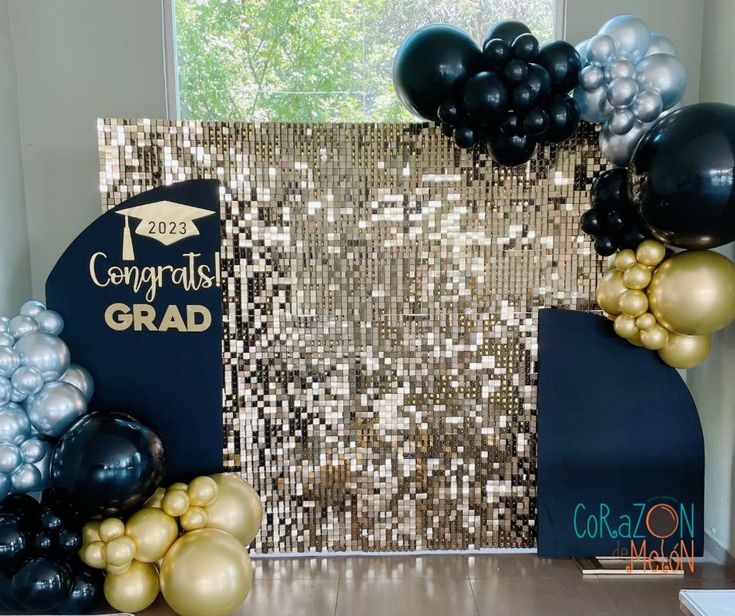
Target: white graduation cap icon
x=164, y=221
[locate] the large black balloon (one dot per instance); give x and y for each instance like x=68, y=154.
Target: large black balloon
x=511, y=150
x=563, y=63
x=86, y=592
x=681, y=177
x=485, y=97
x=507, y=31
x=107, y=464
x=432, y=65
x=563, y=118
x=42, y=583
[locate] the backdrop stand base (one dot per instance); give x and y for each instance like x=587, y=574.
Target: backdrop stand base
x=598, y=566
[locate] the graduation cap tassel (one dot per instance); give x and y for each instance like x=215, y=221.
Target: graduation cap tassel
x=128, y=254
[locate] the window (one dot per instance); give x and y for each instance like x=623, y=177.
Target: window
x=314, y=60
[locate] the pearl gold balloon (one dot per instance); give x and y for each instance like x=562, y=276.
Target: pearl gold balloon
x=625, y=259
x=693, y=292
x=654, y=338
x=134, y=590
x=685, y=352
x=153, y=533
x=193, y=519
x=237, y=509
x=633, y=303
x=637, y=277
x=93, y=554
x=178, y=486
x=206, y=572
x=91, y=532
x=609, y=290
x=157, y=498
x=650, y=252
x=120, y=551
x=111, y=528
x=175, y=503
x=625, y=326
x=202, y=491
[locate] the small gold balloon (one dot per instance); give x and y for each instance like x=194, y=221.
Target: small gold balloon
x=157, y=498
x=206, y=572
x=635, y=339
x=93, y=554
x=91, y=532
x=237, y=509
x=194, y=518
x=202, y=491
x=625, y=326
x=650, y=252
x=682, y=351
x=654, y=338
x=117, y=569
x=625, y=259
x=633, y=303
x=111, y=528
x=175, y=503
x=637, y=277
x=609, y=290
x=119, y=551
x=153, y=532
x=645, y=321
x=178, y=486
x=134, y=590
x=693, y=292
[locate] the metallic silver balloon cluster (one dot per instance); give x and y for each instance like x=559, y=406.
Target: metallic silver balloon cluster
x=631, y=78
x=41, y=395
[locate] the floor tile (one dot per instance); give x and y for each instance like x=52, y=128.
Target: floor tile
x=297, y=568
x=291, y=597
x=403, y=567
x=407, y=597
x=524, y=565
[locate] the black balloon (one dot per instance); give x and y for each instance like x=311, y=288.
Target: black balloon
x=610, y=189
x=15, y=541
x=563, y=118
x=516, y=71
x=485, y=96
x=536, y=122
x=590, y=222
x=42, y=583
x=496, y=52
x=511, y=150
x=539, y=80
x=524, y=97
x=107, y=464
x=465, y=136
x=681, y=177
x=432, y=65
x=605, y=246
x=507, y=31
x=525, y=47
x=447, y=129
x=563, y=63
x=86, y=593
x=511, y=124
x=449, y=112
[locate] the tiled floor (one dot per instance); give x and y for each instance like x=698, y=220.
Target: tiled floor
x=477, y=585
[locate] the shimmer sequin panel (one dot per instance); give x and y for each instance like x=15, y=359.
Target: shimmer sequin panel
x=381, y=292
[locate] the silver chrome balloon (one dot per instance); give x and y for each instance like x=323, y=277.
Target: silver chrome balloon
x=620, y=122
x=6, y=339
x=621, y=92
x=6, y=390
x=647, y=106
x=618, y=69
x=582, y=49
x=600, y=50
x=664, y=74
x=14, y=424
x=618, y=149
x=660, y=44
x=22, y=325
x=27, y=478
x=50, y=322
x=81, y=379
x=27, y=380
x=591, y=103
x=53, y=409
x=10, y=457
x=46, y=352
x=631, y=36
x=9, y=361
x=33, y=450
x=31, y=308
x=591, y=78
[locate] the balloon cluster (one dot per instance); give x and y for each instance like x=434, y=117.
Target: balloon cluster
x=39, y=568
x=35, y=372
x=670, y=305
x=612, y=222
x=631, y=76
x=187, y=542
x=511, y=95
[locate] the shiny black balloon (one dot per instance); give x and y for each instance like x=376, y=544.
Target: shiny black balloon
x=610, y=189
x=563, y=63
x=485, y=96
x=15, y=542
x=465, y=136
x=525, y=47
x=511, y=124
x=516, y=71
x=496, y=52
x=536, y=122
x=107, y=464
x=24, y=506
x=563, y=118
x=86, y=593
x=511, y=150
x=42, y=583
x=539, y=80
x=682, y=176
x=632, y=237
x=590, y=222
x=524, y=97
x=604, y=246
x=432, y=65
x=449, y=112
x=69, y=541
x=447, y=129
x=616, y=221
x=44, y=542
x=507, y=31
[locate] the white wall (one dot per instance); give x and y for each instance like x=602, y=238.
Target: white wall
x=78, y=60
x=15, y=268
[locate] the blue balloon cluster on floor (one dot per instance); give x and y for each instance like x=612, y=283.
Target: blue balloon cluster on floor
x=510, y=95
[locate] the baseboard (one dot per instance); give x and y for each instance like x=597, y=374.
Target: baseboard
x=717, y=553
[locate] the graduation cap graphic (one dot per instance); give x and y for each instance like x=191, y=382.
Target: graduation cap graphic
x=164, y=221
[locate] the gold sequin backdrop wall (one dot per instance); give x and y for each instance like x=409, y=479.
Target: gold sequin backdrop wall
x=381, y=291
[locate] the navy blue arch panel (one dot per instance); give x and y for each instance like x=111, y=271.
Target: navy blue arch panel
x=139, y=290
x=620, y=445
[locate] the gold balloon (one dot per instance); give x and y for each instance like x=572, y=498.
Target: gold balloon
x=650, y=252
x=119, y=551
x=178, y=486
x=693, y=292
x=610, y=263
x=193, y=519
x=609, y=290
x=117, y=569
x=111, y=528
x=654, y=338
x=93, y=554
x=202, y=491
x=91, y=532
x=134, y=590
x=206, y=573
x=175, y=503
x=633, y=303
x=625, y=259
x=645, y=321
x=624, y=326
x=153, y=533
x=682, y=351
x=636, y=339
x=637, y=277
x=237, y=509
x=156, y=499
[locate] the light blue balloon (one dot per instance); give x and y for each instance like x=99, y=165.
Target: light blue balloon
x=590, y=104
x=591, y=78
x=631, y=34
x=647, y=106
x=660, y=44
x=81, y=379
x=22, y=325
x=6, y=390
x=33, y=450
x=619, y=69
x=50, y=322
x=600, y=50
x=664, y=74
x=9, y=361
x=27, y=478
x=53, y=409
x=45, y=352
x=31, y=308
x=10, y=458
x=27, y=380
x=6, y=339
x=621, y=92
x=15, y=426
x=621, y=121
x=582, y=49
x=4, y=323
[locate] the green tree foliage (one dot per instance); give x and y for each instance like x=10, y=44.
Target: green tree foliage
x=314, y=60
